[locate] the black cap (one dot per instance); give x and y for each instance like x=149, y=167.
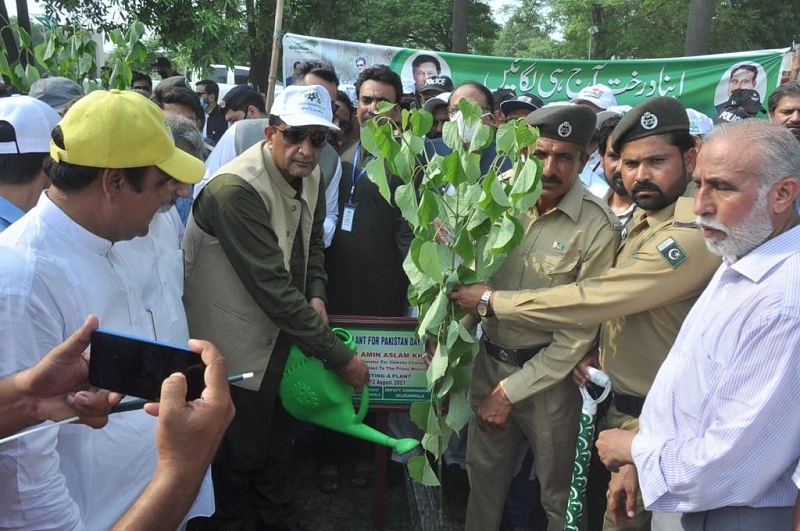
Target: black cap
x=731, y=115
x=527, y=101
x=569, y=123
x=433, y=103
x=747, y=99
x=655, y=116
x=438, y=84
x=168, y=84
x=235, y=96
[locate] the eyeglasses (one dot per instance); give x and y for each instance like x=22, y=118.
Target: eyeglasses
x=296, y=135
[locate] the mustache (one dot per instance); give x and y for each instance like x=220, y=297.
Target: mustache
x=645, y=186
x=552, y=179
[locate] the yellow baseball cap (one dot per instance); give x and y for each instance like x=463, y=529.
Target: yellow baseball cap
x=122, y=129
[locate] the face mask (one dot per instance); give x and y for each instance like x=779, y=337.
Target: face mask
x=203, y=104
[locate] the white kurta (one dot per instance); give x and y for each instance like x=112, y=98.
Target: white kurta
x=75, y=477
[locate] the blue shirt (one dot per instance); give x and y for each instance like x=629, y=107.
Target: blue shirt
x=9, y=213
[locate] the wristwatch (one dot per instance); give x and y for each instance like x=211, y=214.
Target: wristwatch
x=483, y=307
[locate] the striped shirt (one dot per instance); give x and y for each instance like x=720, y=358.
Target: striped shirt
x=721, y=424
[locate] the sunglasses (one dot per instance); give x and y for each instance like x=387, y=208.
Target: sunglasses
x=296, y=135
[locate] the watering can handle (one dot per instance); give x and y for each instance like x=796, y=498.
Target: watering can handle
x=364, y=406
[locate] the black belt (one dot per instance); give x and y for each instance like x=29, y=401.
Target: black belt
x=630, y=405
x=515, y=356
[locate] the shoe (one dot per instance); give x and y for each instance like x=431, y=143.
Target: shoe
x=328, y=479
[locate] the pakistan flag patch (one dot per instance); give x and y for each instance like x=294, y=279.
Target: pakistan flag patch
x=672, y=252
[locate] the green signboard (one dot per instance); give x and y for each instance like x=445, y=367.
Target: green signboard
x=394, y=355
x=702, y=83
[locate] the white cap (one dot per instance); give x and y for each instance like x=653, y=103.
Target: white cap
x=599, y=95
x=699, y=123
x=300, y=106
x=32, y=120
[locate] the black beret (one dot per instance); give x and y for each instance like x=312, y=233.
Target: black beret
x=655, y=116
x=569, y=122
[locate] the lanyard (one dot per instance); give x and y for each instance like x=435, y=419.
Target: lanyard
x=357, y=178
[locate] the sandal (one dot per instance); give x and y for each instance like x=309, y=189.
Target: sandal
x=363, y=475
x=328, y=479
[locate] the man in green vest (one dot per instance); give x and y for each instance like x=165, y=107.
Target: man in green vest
x=255, y=285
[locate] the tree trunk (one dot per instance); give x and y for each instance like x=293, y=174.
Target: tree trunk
x=460, y=17
x=24, y=22
x=699, y=26
x=599, y=48
x=8, y=40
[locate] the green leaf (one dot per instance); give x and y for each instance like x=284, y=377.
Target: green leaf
x=471, y=111
x=433, y=317
x=452, y=334
x=428, y=207
x=50, y=51
x=525, y=182
x=137, y=53
x=499, y=194
x=405, y=197
x=526, y=135
x=420, y=471
x=376, y=170
x=506, y=233
x=384, y=140
x=32, y=74
x=38, y=52
x=438, y=367
x=450, y=167
x=429, y=261
x=444, y=388
x=458, y=411
x=481, y=139
x=505, y=138
x=85, y=64
x=451, y=137
x=368, y=138
x=405, y=116
x=464, y=247
x=421, y=122
x=385, y=107
x=116, y=37
x=135, y=32
x=24, y=37
x=4, y=67
x=472, y=166
x=419, y=414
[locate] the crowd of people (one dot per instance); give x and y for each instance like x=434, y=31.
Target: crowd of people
x=664, y=250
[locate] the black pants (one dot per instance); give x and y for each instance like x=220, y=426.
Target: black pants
x=252, y=485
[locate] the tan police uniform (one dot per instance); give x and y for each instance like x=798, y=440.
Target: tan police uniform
x=661, y=268
x=575, y=240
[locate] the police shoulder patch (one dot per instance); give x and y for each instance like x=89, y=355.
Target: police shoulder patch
x=672, y=252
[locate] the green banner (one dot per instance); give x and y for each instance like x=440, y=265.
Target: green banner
x=702, y=83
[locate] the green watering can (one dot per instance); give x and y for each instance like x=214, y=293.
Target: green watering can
x=311, y=393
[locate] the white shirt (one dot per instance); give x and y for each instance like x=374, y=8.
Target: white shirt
x=225, y=151
x=796, y=476
x=593, y=177
x=721, y=423
x=73, y=477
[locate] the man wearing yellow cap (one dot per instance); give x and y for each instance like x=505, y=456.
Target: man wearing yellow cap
x=114, y=165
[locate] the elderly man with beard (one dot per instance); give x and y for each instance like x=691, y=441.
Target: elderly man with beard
x=617, y=198
x=659, y=271
x=718, y=434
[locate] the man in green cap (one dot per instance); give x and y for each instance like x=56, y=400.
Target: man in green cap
x=659, y=271
x=521, y=388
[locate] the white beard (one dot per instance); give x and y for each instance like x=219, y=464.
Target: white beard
x=754, y=230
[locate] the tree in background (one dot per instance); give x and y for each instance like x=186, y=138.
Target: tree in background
x=203, y=32
x=634, y=29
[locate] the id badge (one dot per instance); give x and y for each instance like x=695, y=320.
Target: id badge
x=347, y=216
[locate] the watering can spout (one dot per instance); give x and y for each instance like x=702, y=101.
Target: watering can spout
x=311, y=393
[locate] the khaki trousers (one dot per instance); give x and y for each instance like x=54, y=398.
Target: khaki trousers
x=548, y=420
x=641, y=522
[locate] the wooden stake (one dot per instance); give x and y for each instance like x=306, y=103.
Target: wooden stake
x=276, y=45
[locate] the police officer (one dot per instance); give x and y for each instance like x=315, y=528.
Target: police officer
x=660, y=269
x=521, y=387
